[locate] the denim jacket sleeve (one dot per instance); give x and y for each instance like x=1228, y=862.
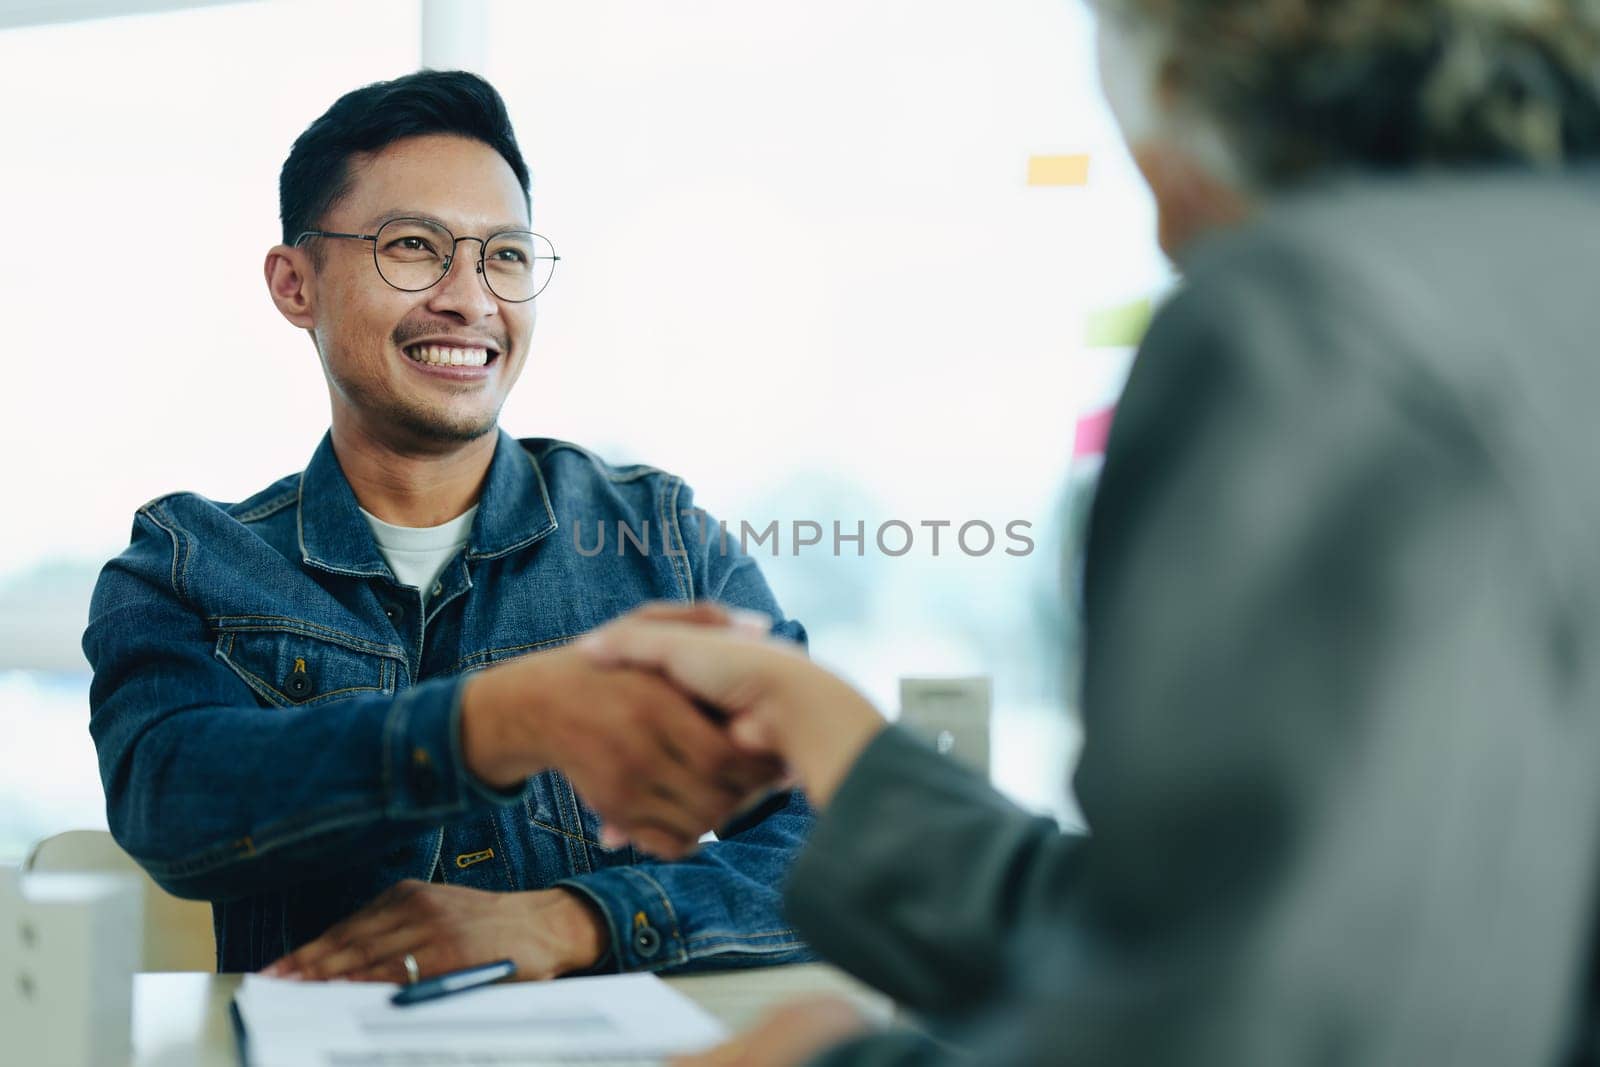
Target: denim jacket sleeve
x=195, y=771
x=722, y=906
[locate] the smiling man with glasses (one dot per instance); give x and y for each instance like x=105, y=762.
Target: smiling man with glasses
x=345, y=710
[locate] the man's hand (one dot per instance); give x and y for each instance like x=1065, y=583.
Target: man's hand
x=547, y=932
x=656, y=768
x=777, y=701
x=790, y=1035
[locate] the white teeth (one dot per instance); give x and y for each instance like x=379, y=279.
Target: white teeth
x=449, y=355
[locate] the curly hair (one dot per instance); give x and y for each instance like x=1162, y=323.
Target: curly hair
x=1302, y=87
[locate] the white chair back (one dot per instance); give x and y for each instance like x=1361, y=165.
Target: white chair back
x=177, y=933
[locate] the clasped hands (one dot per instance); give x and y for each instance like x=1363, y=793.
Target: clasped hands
x=668, y=722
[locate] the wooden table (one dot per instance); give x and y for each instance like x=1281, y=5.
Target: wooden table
x=181, y=1020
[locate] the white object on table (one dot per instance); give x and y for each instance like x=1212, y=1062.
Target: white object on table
x=295, y=1024
x=183, y=1020
x=952, y=713
x=71, y=945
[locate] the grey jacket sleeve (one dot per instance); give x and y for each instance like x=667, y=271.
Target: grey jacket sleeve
x=917, y=873
x=898, y=1048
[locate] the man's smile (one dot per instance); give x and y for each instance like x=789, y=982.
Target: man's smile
x=462, y=361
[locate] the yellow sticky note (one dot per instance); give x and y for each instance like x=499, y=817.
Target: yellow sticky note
x=1058, y=170
x=1118, y=327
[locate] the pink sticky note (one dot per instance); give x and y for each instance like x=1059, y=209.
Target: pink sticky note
x=1092, y=433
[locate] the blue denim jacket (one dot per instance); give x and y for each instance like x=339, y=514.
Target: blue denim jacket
x=277, y=719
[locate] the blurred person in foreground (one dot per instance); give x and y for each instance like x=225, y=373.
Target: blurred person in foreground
x=1341, y=693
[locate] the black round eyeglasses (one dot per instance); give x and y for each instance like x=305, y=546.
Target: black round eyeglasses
x=415, y=254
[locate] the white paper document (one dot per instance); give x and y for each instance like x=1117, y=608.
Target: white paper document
x=611, y=1018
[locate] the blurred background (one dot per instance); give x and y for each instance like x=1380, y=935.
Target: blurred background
x=852, y=260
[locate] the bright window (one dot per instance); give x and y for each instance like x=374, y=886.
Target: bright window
x=803, y=267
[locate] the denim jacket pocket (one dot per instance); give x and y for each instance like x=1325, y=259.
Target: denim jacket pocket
x=291, y=665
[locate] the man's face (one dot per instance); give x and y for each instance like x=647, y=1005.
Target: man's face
x=380, y=345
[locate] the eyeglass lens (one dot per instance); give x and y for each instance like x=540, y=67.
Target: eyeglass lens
x=413, y=254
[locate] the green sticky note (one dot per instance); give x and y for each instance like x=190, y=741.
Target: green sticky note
x=1118, y=327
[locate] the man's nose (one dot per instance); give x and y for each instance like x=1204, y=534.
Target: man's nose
x=463, y=289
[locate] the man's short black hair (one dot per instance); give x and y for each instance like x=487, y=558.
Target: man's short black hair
x=317, y=174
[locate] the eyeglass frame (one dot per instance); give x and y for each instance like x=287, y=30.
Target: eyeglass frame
x=449, y=261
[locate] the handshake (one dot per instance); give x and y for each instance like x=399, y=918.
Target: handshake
x=668, y=721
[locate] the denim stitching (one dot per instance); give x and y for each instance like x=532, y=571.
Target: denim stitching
x=266, y=688
x=486, y=656
x=701, y=949
x=285, y=623
x=267, y=693
x=436, y=606
x=728, y=935
x=502, y=853
x=177, y=548
x=558, y=830
x=203, y=862
x=438, y=849
x=564, y=794
x=188, y=558
x=306, y=558
x=290, y=702
x=669, y=520
x=299, y=517
x=666, y=903
x=269, y=507
x=537, y=535
x=221, y=855
x=616, y=475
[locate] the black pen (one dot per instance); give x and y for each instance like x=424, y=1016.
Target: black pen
x=454, y=982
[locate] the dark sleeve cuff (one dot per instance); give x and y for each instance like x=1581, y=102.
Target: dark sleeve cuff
x=638, y=916
x=424, y=775
x=888, y=761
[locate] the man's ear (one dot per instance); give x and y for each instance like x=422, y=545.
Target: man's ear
x=288, y=272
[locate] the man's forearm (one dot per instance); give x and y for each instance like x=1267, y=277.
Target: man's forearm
x=307, y=787
x=507, y=727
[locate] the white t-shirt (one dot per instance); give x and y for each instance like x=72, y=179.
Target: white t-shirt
x=419, y=554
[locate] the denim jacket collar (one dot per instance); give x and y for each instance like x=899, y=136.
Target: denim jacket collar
x=514, y=511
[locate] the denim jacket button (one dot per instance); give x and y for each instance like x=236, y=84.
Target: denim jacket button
x=423, y=777
x=298, y=685
x=646, y=941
